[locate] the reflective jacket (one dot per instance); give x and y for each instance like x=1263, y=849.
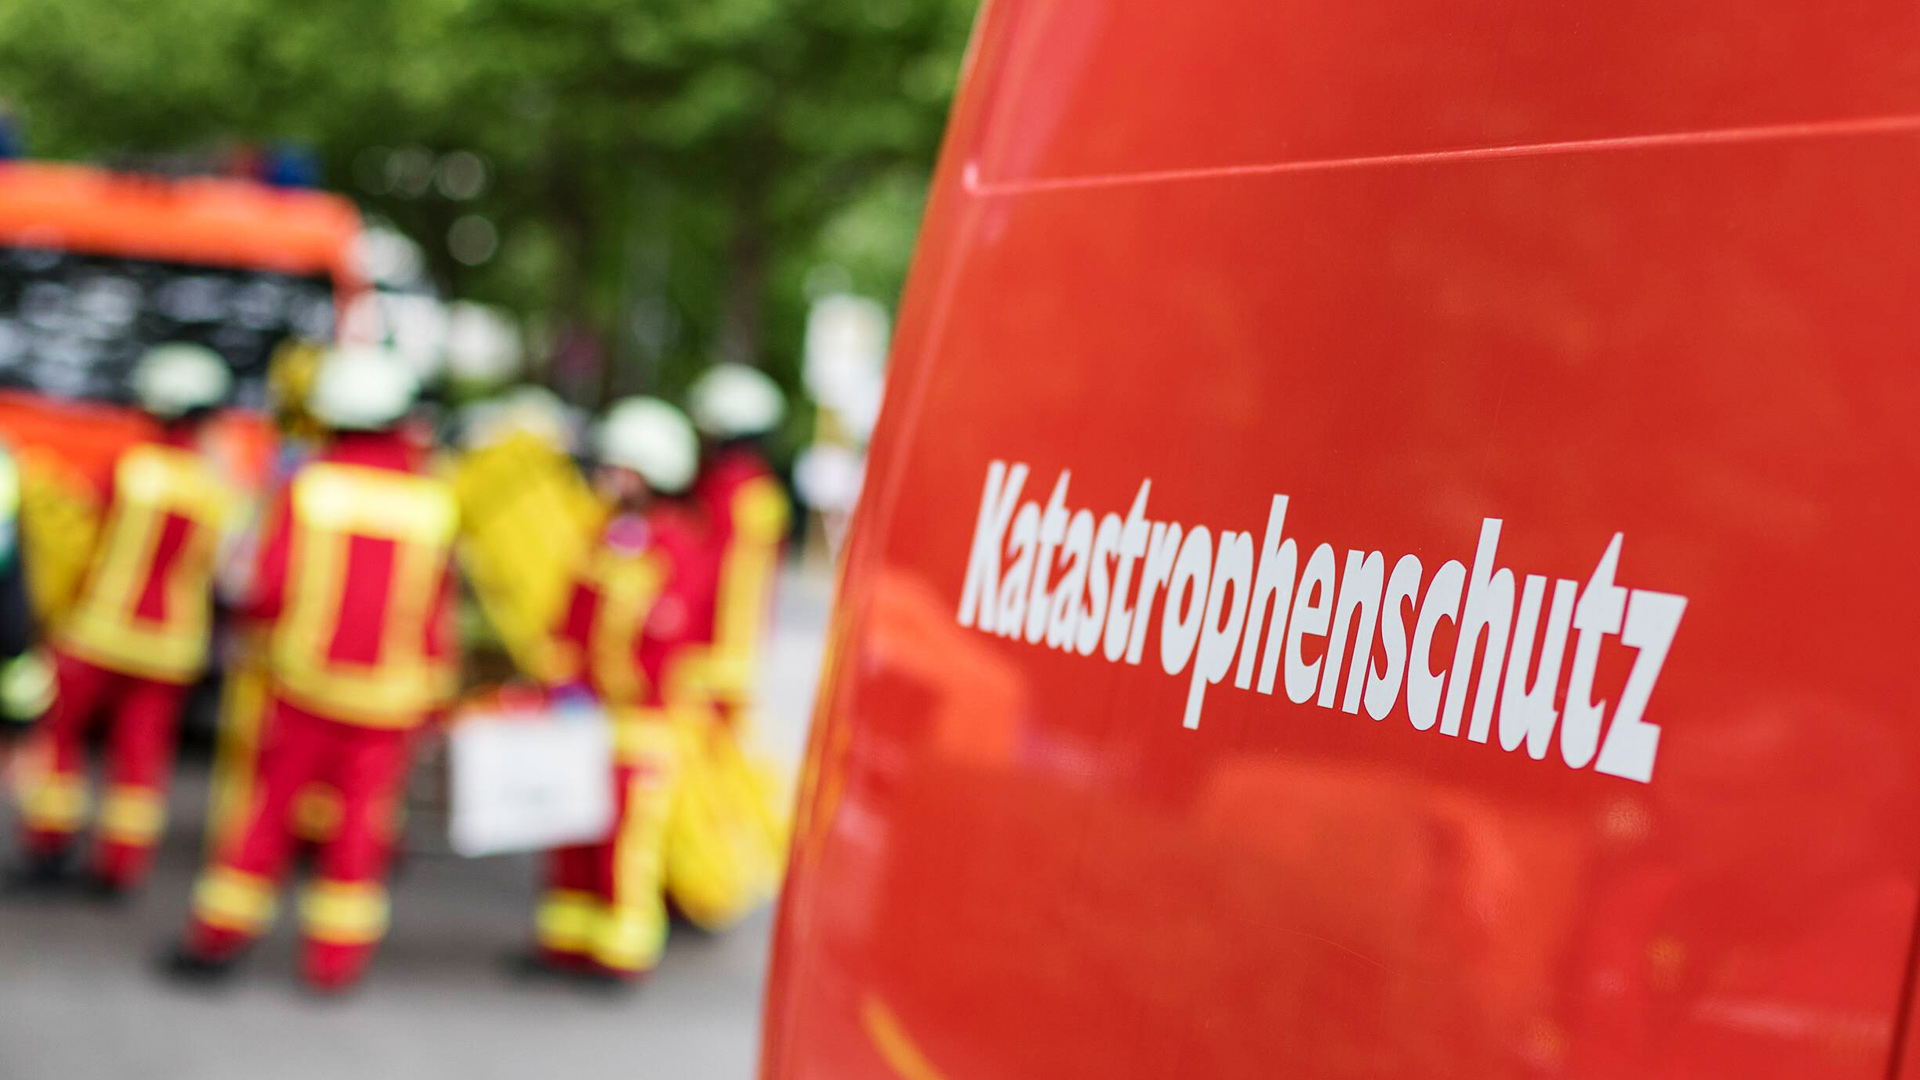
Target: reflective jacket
x=145, y=603
x=643, y=594
x=354, y=577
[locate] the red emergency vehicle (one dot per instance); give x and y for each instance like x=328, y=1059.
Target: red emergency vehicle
x=96, y=267
x=1388, y=553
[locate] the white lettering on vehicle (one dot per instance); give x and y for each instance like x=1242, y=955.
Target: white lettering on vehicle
x=1333, y=632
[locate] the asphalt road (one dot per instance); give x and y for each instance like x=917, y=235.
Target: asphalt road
x=78, y=1000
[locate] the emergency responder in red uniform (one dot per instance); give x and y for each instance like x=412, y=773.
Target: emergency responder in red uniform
x=734, y=407
x=353, y=586
x=137, y=634
x=641, y=596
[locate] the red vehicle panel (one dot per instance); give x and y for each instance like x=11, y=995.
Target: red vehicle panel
x=1583, y=334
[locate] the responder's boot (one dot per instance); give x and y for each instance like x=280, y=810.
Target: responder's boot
x=108, y=889
x=328, y=985
x=118, y=870
x=537, y=965
x=543, y=965
x=39, y=873
x=611, y=983
x=185, y=967
x=332, y=970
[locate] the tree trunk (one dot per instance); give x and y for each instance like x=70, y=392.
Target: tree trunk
x=743, y=305
x=577, y=368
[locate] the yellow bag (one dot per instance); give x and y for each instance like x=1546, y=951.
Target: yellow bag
x=527, y=520
x=59, y=523
x=726, y=838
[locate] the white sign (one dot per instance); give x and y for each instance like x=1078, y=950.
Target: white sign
x=529, y=782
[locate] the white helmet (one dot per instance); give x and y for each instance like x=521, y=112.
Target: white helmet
x=481, y=424
x=173, y=380
x=362, y=388
x=733, y=400
x=539, y=412
x=653, y=439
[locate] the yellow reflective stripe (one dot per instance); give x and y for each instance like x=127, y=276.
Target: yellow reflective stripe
x=628, y=586
x=759, y=514
x=759, y=509
x=565, y=920
x=243, y=707
x=57, y=802
x=376, y=502
x=332, y=503
x=230, y=899
x=399, y=704
x=177, y=479
x=313, y=596
x=642, y=736
x=164, y=657
x=699, y=675
x=344, y=912
x=685, y=678
x=131, y=815
x=631, y=938
x=729, y=673
x=632, y=929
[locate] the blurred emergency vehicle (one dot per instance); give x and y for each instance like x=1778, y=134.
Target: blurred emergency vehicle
x=1387, y=553
x=98, y=267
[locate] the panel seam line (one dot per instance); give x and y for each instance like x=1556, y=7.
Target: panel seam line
x=1871, y=125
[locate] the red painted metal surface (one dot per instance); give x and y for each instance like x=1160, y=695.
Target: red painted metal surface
x=1629, y=269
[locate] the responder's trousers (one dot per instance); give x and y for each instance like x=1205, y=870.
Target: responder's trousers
x=603, y=909
x=344, y=907
x=246, y=704
x=144, y=720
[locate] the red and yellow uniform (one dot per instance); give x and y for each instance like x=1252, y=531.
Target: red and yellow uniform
x=354, y=590
x=135, y=637
x=727, y=847
x=748, y=514
x=640, y=598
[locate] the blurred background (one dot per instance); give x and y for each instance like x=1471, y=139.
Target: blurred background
x=600, y=198
x=81, y=997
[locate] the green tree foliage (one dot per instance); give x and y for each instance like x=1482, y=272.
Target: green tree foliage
x=666, y=176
